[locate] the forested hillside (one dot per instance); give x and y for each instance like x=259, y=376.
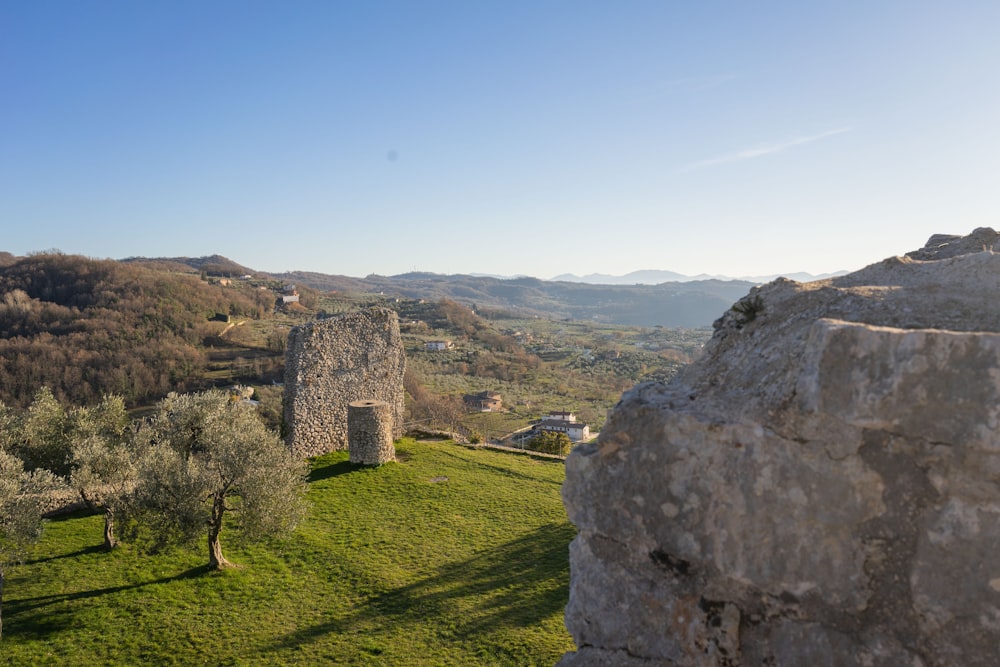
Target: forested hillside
x=142, y=328
x=85, y=327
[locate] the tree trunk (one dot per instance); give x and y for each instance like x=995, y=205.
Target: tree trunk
x=1, y=602
x=109, y=530
x=216, y=561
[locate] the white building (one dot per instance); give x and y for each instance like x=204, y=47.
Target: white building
x=577, y=431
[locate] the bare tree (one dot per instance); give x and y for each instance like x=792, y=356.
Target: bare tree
x=448, y=411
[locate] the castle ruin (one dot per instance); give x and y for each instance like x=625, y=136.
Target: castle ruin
x=333, y=362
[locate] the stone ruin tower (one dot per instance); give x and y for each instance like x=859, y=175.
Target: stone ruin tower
x=333, y=362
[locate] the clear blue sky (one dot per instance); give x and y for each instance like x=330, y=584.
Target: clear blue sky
x=507, y=137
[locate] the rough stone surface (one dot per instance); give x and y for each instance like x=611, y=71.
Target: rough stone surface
x=369, y=433
x=820, y=488
x=330, y=363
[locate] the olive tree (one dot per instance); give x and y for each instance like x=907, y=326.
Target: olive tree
x=10, y=428
x=211, y=458
x=103, y=459
x=22, y=495
x=44, y=439
x=550, y=442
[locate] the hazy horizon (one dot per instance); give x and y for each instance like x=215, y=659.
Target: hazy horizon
x=589, y=277
x=514, y=138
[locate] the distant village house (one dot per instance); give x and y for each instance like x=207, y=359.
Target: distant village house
x=564, y=422
x=484, y=401
x=438, y=345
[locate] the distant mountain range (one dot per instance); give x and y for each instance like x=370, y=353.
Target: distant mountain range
x=691, y=304
x=641, y=298
x=656, y=277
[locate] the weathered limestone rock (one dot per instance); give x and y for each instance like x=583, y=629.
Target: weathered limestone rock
x=369, y=432
x=821, y=488
x=330, y=363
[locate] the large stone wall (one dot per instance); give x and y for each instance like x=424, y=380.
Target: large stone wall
x=821, y=488
x=330, y=363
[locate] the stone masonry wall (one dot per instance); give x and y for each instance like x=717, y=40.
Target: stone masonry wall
x=330, y=363
x=822, y=487
x=369, y=433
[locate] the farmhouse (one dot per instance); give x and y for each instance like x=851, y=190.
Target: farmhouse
x=484, y=401
x=564, y=422
x=438, y=345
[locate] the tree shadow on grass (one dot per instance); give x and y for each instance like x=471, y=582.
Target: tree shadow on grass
x=72, y=515
x=72, y=554
x=516, y=475
x=26, y=617
x=500, y=470
x=514, y=585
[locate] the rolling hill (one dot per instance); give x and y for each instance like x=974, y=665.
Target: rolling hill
x=683, y=304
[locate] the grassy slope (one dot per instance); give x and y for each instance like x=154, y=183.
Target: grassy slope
x=394, y=566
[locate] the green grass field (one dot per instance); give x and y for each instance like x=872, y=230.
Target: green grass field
x=451, y=556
